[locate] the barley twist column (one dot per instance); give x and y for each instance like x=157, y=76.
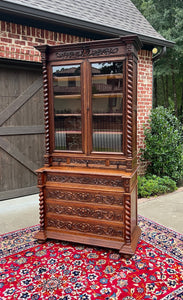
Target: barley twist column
x=129, y=106
x=46, y=108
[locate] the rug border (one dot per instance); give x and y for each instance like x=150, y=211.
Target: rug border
x=18, y=230
x=170, y=229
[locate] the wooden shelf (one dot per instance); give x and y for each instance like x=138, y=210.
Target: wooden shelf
x=67, y=96
x=108, y=76
x=67, y=115
x=107, y=95
x=68, y=132
x=66, y=78
x=107, y=114
x=107, y=132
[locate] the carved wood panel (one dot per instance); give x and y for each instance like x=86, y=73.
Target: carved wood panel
x=115, y=182
x=85, y=212
x=85, y=227
x=80, y=196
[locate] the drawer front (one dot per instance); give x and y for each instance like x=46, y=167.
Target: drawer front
x=85, y=196
x=86, y=179
x=75, y=225
x=98, y=212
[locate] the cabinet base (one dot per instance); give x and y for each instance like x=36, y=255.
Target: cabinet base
x=126, y=249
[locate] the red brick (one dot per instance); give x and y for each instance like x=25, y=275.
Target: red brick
x=42, y=33
x=24, y=29
x=33, y=31
x=13, y=26
x=20, y=43
x=51, y=35
x=3, y=26
x=13, y=35
x=27, y=38
x=55, y=36
x=6, y=40
x=28, y=30
x=31, y=44
x=18, y=28
x=49, y=42
x=46, y=34
x=39, y=40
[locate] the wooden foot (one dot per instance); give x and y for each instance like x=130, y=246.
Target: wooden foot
x=40, y=236
x=127, y=256
x=129, y=249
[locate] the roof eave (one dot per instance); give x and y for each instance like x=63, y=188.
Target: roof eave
x=24, y=11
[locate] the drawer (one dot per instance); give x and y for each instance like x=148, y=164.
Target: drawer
x=85, y=195
x=77, y=225
x=85, y=179
x=86, y=210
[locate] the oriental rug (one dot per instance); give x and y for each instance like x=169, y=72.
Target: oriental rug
x=67, y=271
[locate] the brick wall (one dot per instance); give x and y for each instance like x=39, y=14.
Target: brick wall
x=144, y=98
x=18, y=41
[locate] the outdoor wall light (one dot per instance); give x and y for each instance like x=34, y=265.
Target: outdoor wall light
x=154, y=50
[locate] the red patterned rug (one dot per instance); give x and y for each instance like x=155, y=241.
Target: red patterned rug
x=66, y=271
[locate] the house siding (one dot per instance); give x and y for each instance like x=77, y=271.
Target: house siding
x=17, y=42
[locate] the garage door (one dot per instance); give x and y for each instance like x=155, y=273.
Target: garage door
x=21, y=129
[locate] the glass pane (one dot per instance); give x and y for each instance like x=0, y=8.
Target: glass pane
x=67, y=107
x=107, y=106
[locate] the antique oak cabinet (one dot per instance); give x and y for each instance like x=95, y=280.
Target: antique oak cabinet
x=88, y=185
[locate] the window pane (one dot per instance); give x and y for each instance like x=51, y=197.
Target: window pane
x=67, y=107
x=107, y=106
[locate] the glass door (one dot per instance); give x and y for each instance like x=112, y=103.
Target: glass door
x=107, y=106
x=67, y=107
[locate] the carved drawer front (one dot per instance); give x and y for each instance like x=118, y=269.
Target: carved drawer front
x=85, y=195
x=85, y=179
x=98, y=212
x=87, y=226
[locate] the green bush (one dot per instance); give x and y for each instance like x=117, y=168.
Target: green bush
x=164, y=144
x=151, y=185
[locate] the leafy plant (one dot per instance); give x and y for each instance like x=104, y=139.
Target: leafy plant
x=166, y=17
x=152, y=185
x=164, y=144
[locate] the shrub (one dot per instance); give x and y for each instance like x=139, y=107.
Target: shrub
x=151, y=185
x=164, y=144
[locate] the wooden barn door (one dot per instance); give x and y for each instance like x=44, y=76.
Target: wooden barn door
x=21, y=129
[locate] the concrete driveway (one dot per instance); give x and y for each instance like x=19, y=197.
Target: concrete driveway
x=166, y=210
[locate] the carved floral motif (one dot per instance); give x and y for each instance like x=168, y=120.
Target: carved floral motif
x=86, y=52
x=85, y=212
x=85, y=197
x=85, y=180
x=85, y=227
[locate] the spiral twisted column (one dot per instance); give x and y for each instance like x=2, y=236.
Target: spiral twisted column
x=129, y=106
x=41, y=236
x=127, y=233
x=46, y=108
x=41, y=209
